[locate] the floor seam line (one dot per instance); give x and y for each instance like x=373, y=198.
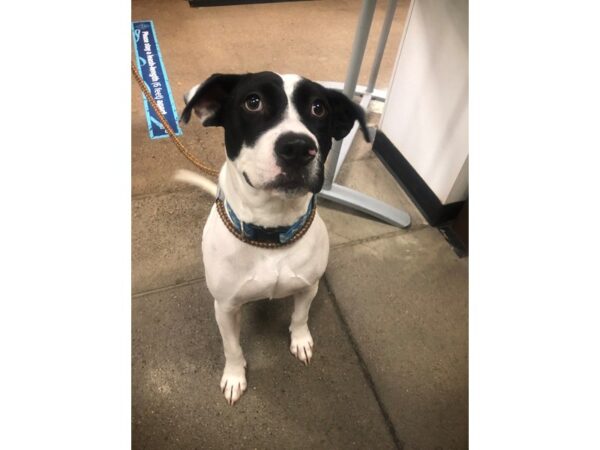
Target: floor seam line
x=363, y=366
x=378, y=237
x=167, y=192
x=168, y=287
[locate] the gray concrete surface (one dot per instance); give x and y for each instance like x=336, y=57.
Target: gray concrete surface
x=390, y=319
x=177, y=364
x=404, y=299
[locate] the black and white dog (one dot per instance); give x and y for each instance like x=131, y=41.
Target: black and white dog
x=278, y=132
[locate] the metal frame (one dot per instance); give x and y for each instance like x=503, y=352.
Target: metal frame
x=339, y=150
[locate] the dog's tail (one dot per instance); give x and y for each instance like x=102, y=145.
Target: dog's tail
x=187, y=176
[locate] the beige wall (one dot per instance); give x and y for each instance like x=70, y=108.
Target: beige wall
x=426, y=113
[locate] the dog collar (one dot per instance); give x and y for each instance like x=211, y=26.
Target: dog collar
x=260, y=236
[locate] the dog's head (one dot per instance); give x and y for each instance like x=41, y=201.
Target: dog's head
x=278, y=128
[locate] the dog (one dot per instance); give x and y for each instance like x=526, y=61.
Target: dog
x=263, y=237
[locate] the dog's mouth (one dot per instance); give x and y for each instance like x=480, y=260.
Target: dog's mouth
x=291, y=182
x=245, y=175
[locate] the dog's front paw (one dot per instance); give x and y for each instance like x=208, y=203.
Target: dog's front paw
x=302, y=345
x=233, y=383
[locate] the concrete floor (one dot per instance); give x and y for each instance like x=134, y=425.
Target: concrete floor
x=389, y=321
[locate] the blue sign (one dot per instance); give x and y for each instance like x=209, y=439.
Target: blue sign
x=150, y=65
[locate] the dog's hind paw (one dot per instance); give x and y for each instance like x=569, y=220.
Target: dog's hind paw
x=302, y=345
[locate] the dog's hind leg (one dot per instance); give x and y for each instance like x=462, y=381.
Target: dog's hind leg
x=233, y=382
x=301, y=341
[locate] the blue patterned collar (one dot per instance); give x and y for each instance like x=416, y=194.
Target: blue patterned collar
x=276, y=235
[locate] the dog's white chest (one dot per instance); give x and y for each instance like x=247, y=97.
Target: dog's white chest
x=237, y=273
x=270, y=279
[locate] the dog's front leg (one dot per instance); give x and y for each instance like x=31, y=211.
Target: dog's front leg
x=233, y=382
x=301, y=341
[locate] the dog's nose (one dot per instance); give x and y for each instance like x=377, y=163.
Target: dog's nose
x=296, y=150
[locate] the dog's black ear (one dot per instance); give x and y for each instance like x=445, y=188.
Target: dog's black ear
x=344, y=113
x=207, y=99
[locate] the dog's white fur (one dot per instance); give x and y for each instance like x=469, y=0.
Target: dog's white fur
x=238, y=273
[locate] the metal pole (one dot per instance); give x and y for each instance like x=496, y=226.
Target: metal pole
x=358, y=51
x=358, y=47
x=342, y=194
x=385, y=31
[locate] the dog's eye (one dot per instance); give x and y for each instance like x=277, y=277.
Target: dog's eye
x=253, y=103
x=317, y=109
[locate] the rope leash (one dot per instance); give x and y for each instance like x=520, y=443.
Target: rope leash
x=199, y=164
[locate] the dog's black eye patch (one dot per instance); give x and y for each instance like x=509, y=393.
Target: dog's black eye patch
x=326, y=111
x=311, y=102
x=245, y=105
x=244, y=120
